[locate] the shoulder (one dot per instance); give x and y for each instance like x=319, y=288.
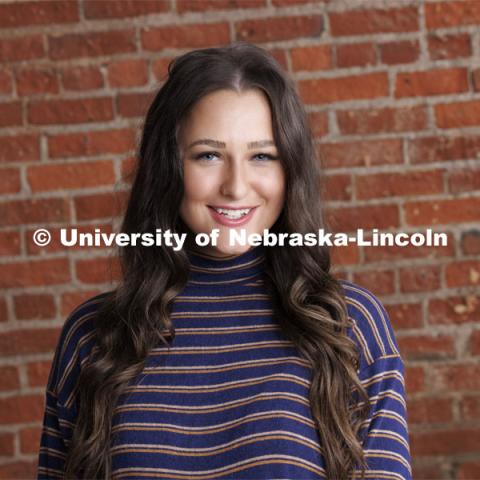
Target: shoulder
x=77, y=339
x=372, y=329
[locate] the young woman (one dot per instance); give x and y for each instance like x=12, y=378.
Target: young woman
x=226, y=361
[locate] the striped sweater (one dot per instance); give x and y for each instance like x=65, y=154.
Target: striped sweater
x=230, y=398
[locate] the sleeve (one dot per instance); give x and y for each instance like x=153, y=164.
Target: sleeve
x=55, y=431
x=381, y=370
x=74, y=346
x=386, y=440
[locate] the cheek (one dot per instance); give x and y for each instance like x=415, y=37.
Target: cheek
x=196, y=188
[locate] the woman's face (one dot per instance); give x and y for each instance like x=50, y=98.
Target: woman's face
x=230, y=163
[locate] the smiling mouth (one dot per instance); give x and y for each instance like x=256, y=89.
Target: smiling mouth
x=232, y=213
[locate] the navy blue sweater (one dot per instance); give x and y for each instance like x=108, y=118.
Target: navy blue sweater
x=230, y=398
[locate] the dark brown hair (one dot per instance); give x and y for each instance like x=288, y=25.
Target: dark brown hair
x=308, y=301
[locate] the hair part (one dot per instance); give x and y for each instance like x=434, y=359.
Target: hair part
x=308, y=301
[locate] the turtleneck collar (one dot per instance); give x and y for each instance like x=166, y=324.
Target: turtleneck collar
x=206, y=269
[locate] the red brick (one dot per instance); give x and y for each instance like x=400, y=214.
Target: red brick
x=160, y=68
x=392, y=253
x=463, y=273
x=444, y=46
x=313, y=58
x=388, y=185
x=47, y=112
x=444, y=148
x=465, y=180
x=6, y=82
x=128, y=169
x=30, y=439
x=458, y=114
x=37, y=373
x=33, y=81
x=352, y=87
x=445, y=442
x=394, y=53
x=185, y=36
x=28, y=342
x=430, y=410
x=9, y=180
x=100, y=205
x=471, y=242
x=127, y=8
x=345, y=255
x=91, y=143
x=70, y=175
x=468, y=470
x=356, y=54
x=184, y=6
x=453, y=310
x=373, y=216
x=318, y=123
x=288, y=3
x=476, y=79
x=442, y=211
x=433, y=82
x=97, y=270
x=450, y=14
x=470, y=407
x=279, y=28
x=22, y=212
x=475, y=343
x=70, y=300
x=46, y=12
x=455, y=378
x=9, y=376
x=427, y=347
x=420, y=279
x=91, y=44
x=26, y=47
x=405, y=315
x=337, y=187
x=280, y=56
x=9, y=243
x=361, y=153
x=128, y=73
x=359, y=22
x=19, y=148
x=371, y=120
x=34, y=273
x=10, y=114
x=134, y=104
x=3, y=310
x=34, y=306
x=7, y=445
x=21, y=469
x=380, y=282
x=21, y=409
x=414, y=379
x=82, y=78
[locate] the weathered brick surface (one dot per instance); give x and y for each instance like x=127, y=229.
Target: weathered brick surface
x=392, y=98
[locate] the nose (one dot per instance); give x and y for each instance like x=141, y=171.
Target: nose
x=235, y=180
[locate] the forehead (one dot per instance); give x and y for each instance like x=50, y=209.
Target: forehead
x=229, y=113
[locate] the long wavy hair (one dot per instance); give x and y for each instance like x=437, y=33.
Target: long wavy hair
x=308, y=301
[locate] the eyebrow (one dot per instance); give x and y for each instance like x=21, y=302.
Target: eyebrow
x=217, y=144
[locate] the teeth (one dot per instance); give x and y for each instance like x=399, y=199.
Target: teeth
x=232, y=213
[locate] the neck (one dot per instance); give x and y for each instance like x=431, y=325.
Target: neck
x=209, y=269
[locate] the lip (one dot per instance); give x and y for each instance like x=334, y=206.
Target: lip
x=219, y=218
x=228, y=207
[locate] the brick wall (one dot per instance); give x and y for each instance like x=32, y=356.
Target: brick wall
x=393, y=93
